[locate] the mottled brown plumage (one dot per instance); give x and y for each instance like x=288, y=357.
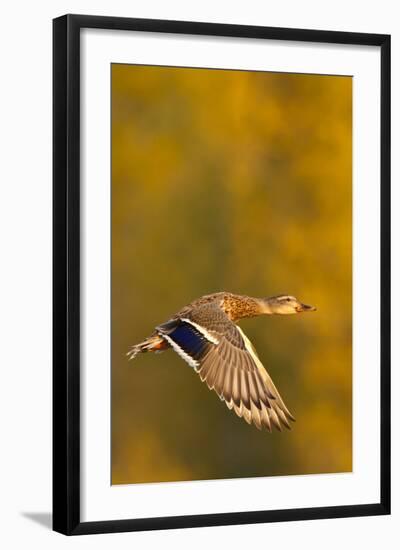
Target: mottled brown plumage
x=205, y=335
x=235, y=306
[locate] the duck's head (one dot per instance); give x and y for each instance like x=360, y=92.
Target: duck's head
x=284, y=304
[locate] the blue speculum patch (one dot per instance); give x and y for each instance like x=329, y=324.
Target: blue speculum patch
x=190, y=340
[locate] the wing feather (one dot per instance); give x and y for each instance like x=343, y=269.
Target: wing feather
x=247, y=415
x=244, y=389
x=236, y=385
x=275, y=420
x=227, y=391
x=255, y=415
x=254, y=392
x=265, y=419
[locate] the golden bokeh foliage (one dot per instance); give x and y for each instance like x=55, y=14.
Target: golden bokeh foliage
x=238, y=181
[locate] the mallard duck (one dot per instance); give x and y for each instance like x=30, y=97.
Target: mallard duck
x=205, y=334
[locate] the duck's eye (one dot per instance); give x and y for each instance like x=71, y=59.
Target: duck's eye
x=288, y=299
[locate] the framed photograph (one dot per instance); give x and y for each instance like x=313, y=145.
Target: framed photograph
x=221, y=274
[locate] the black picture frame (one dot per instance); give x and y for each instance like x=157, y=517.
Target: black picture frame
x=66, y=273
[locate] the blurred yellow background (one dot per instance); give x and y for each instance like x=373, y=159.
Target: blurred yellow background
x=237, y=181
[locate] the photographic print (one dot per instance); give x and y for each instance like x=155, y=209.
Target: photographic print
x=221, y=288
x=231, y=274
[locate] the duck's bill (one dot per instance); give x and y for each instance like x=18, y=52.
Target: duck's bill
x=305, y=307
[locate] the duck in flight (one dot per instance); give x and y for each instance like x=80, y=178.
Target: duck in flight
x=205, y=334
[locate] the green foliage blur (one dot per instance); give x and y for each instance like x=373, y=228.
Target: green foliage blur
x=238, y=181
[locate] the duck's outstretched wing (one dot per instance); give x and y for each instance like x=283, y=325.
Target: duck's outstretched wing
x=225, y=359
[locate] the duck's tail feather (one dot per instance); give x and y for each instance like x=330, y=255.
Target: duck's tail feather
x=154, y=343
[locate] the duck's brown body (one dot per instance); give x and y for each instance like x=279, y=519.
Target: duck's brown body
x=233, y=305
